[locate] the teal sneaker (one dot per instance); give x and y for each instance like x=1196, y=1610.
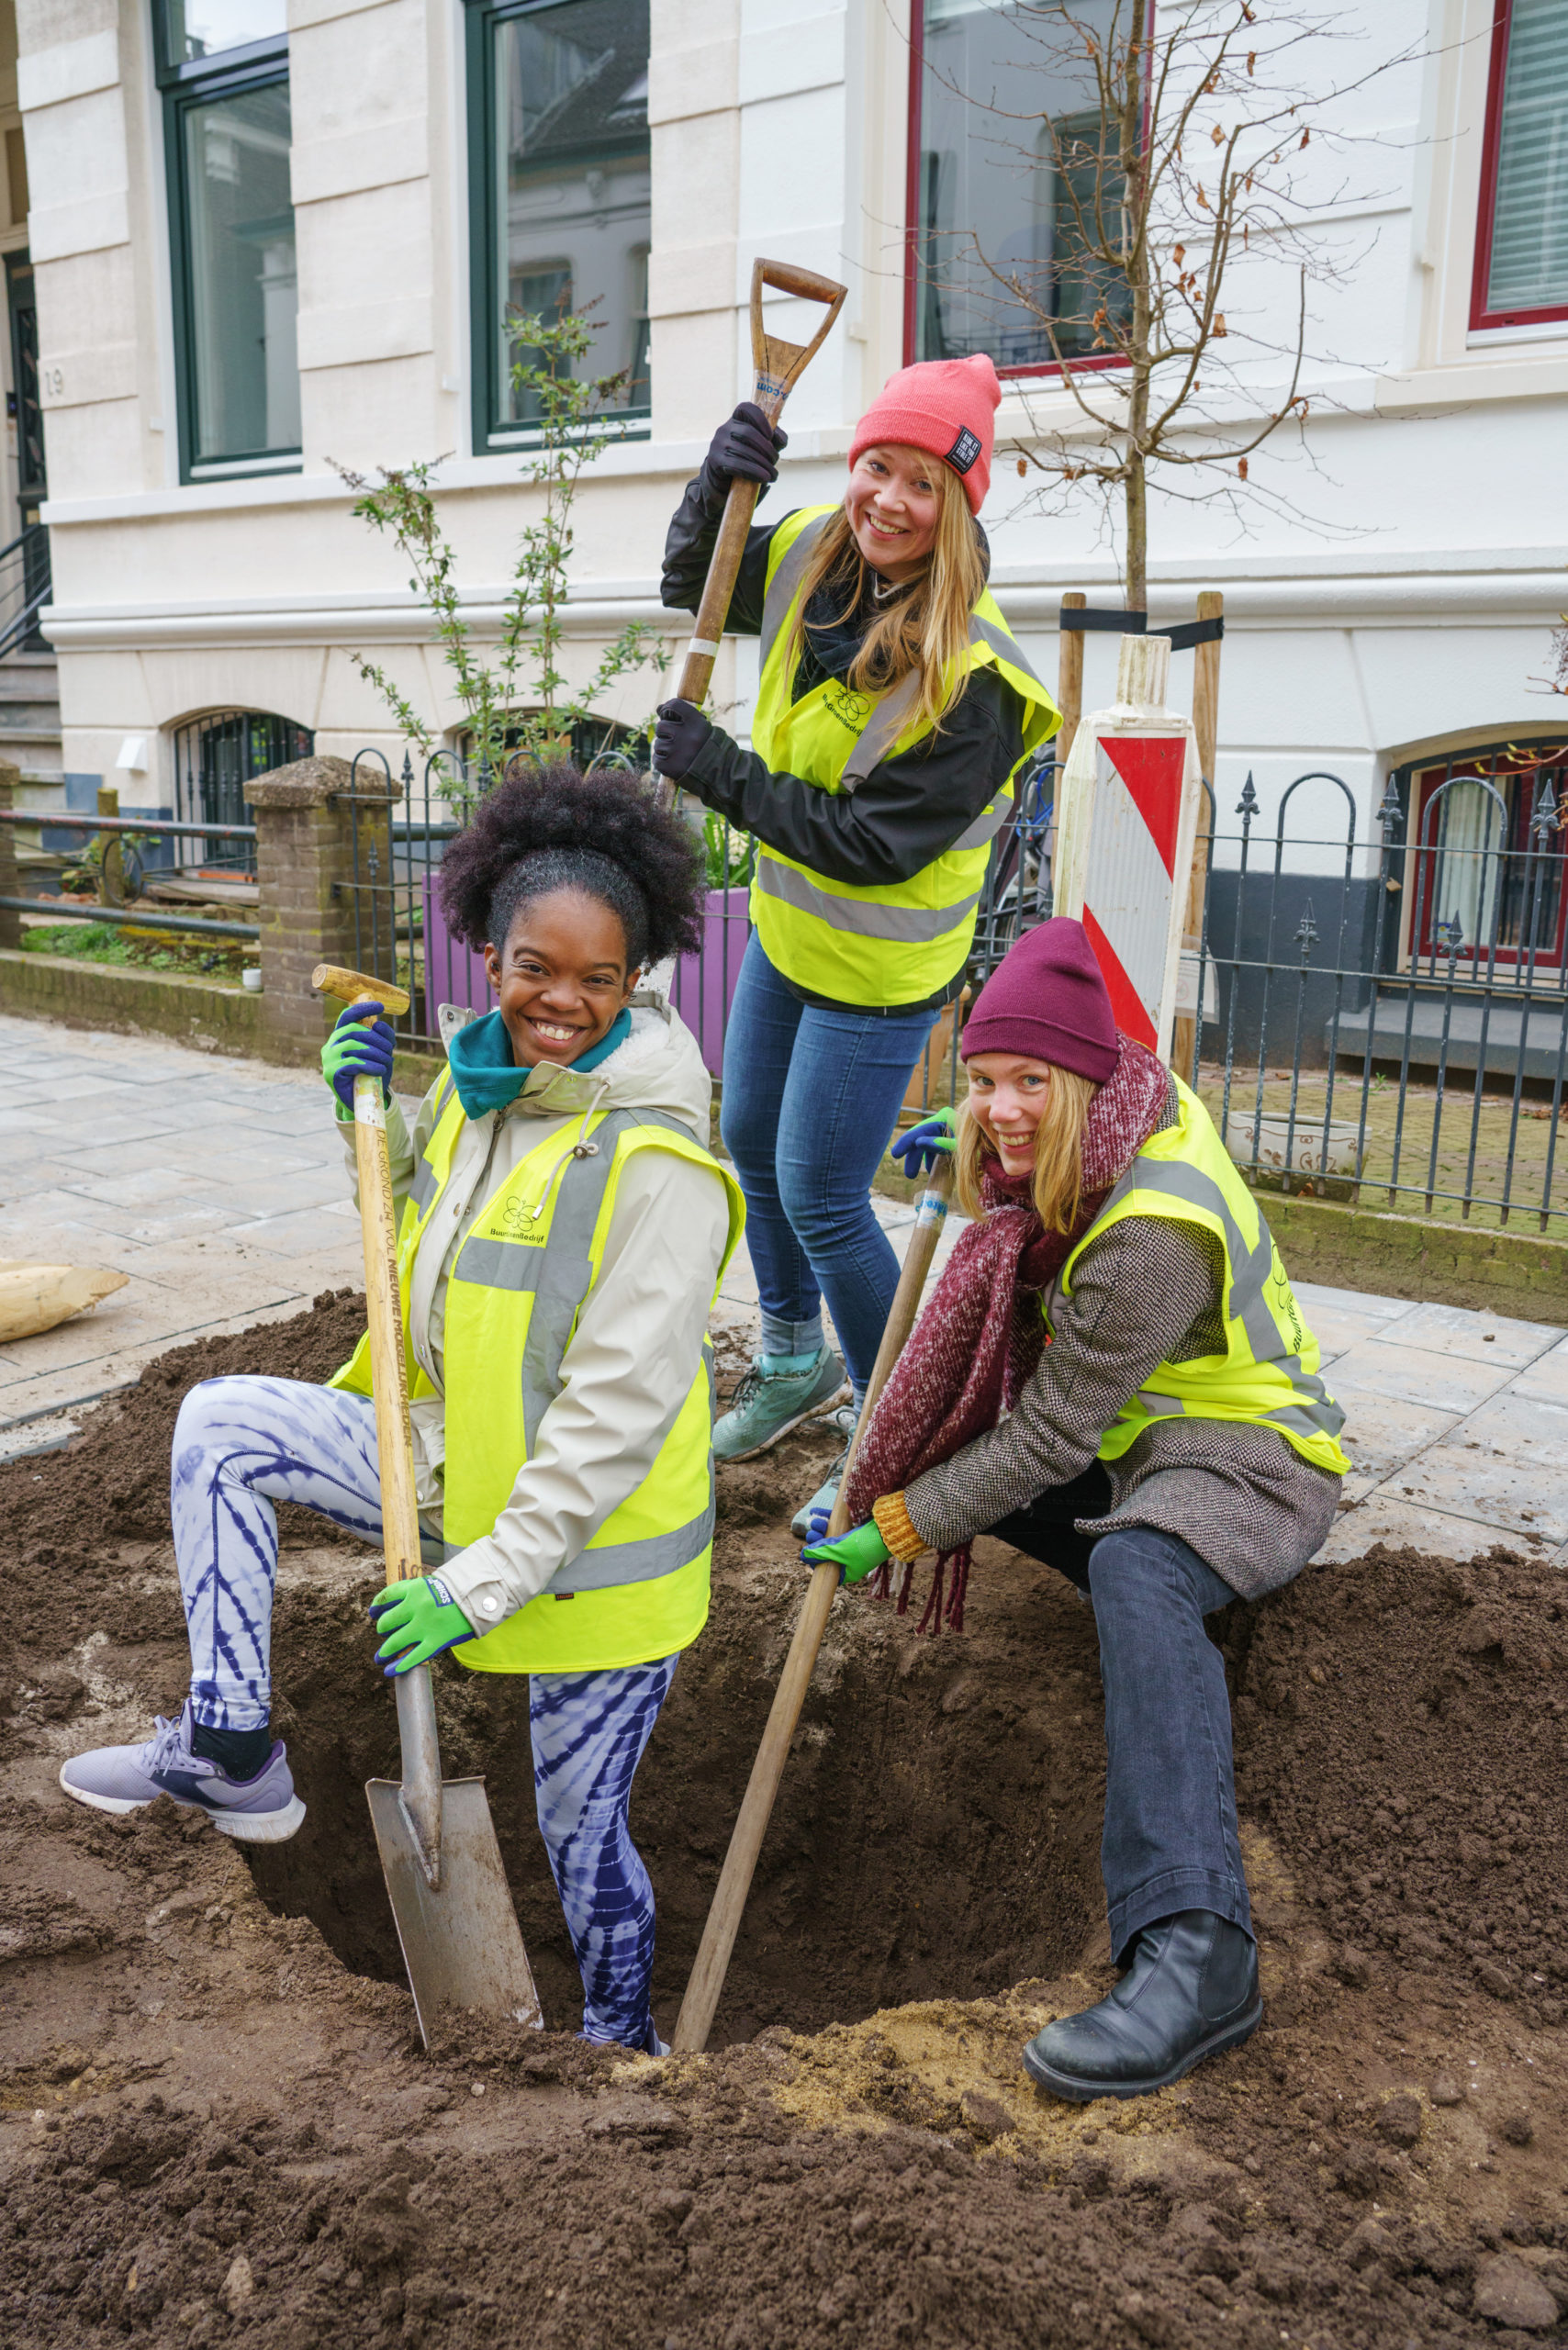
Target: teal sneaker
x=768, y=1403
x=810, y=1521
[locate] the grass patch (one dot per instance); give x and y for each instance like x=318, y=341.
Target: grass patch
x=217, y=960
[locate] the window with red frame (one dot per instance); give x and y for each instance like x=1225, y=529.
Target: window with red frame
x=1487, y=869
x=1521, y=250
x=1005, y=146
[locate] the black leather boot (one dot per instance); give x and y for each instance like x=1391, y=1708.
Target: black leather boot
x=1191, y=1990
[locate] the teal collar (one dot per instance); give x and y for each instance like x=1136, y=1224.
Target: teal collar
x=488, y=1077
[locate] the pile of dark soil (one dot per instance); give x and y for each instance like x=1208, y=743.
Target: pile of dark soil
x=221, y=2125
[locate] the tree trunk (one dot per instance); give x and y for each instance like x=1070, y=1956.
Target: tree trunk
x=1135, y=179
x=1138, y=519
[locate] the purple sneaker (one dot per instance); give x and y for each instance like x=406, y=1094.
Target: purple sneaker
x=263, y=1810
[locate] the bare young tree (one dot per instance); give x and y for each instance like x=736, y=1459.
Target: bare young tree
x=1182, y=157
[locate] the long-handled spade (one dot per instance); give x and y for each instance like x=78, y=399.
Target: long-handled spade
x=696, y=2018
x=461, y=1941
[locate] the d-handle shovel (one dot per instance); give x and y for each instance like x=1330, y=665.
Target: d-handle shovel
x=461, y=1942
x=779, y=366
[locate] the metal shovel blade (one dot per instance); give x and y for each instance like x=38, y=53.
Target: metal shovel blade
x=462, y=1943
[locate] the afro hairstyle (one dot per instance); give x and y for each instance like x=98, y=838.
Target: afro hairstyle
x=605, y=832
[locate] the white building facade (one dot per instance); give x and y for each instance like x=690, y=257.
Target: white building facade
x=271, y=238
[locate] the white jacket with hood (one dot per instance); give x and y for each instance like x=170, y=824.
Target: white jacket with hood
x=638, y=1340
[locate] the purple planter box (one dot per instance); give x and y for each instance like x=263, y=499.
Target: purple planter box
x=701, y=990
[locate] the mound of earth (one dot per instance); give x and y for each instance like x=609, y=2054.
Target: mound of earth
x=219, y=2124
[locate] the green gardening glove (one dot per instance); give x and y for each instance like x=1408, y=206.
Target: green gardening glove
x=921, y=1147
x=420, y=1621
x=855, y=1555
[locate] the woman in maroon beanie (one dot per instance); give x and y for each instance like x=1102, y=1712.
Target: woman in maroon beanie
x=1114, y=1376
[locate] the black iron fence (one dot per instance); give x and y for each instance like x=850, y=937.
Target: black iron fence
x=1381, y=1019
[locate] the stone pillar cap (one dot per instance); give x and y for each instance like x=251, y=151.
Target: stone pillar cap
x=309, y=783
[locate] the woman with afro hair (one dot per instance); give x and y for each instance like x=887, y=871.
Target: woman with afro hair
x=563, y=1230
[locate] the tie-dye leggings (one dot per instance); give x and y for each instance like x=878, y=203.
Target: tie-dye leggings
x=242, y=1444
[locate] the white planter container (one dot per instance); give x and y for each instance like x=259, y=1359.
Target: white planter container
x=1306, y=1155
x=250, y=979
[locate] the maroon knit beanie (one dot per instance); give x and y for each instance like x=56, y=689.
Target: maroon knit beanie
x=1046, y=1000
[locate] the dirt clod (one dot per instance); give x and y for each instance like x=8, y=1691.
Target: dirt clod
x=1510, y=2294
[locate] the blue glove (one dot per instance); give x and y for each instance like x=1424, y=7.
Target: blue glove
x=681, y=733
x=816, y=1525
x=855, y=1555
x=353, y=1051
x=922, y=1147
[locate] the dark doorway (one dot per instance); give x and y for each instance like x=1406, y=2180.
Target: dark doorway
x=24, y=565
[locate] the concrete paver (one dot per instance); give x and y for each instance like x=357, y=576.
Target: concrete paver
x=220, y=1188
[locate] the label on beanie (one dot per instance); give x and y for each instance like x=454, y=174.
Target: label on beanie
x=964, y=451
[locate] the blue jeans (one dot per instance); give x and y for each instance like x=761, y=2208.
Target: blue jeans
x=812, y=1098
x=1169, y=1839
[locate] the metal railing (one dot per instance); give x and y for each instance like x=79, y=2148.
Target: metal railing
x=24, y=589
x=90, y=909
x=1381, y=1021
x=1367, y=1046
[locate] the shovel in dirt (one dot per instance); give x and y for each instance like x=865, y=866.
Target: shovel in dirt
x=462, y=1944
x=697, y=2009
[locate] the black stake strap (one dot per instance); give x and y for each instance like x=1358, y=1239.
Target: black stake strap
x=1086, y=621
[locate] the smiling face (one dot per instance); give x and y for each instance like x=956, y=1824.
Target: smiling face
x=893, y=502
x=561, y=979
x=1008, y=1093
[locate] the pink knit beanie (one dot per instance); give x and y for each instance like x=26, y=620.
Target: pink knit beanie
x=1046, y=1000
x=946, y=406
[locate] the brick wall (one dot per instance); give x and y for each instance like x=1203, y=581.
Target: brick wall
x=304, y=867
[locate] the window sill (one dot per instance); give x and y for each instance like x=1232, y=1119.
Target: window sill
x=288, y=461
x=1488, y=375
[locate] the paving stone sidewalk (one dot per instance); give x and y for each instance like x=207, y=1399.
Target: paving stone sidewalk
x=217, y=1186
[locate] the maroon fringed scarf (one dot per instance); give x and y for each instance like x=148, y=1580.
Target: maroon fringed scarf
x=965, y=1360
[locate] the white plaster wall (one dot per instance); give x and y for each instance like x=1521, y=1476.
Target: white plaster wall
x=1400, y=597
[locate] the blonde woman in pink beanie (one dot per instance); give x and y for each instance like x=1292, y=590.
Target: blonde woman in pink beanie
x=894, y=713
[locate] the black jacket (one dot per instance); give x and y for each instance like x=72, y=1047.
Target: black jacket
x=903, y=814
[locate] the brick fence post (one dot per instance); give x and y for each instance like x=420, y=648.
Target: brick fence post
x=10, y=886
x=305, y=874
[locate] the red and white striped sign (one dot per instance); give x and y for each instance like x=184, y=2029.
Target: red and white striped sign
x=1129, y=878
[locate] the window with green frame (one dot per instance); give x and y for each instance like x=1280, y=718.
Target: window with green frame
x=223, y=70
x=560, y=187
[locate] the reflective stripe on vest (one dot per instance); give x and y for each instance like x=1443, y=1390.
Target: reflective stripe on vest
x=909, y=925
x=1206, y=1387
x=886, y=944
x=558, y=1273
x=1249, y=1270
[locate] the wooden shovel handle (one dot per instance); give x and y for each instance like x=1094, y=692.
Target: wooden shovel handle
x=702, y=1992
x=383, y=1319
x=778, y=368
x=349, y=987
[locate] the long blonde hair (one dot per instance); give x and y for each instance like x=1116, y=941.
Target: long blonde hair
x=925, y=625
x=1058, y=1152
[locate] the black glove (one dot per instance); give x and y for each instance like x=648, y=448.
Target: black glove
x=746, y=444
x=681, y=733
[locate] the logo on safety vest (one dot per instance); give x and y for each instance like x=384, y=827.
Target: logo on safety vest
x=851, y=710
x=517, y=1223
x=964, y=451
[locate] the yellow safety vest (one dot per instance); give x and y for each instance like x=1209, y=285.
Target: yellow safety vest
x=639, y=1588
x=1268, y=1371
x=902, y=941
